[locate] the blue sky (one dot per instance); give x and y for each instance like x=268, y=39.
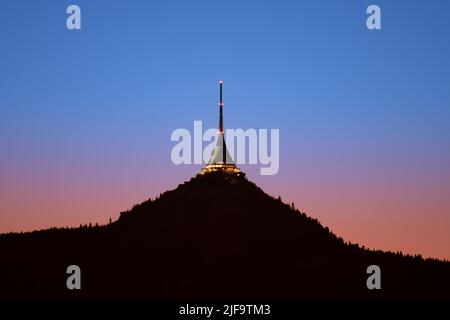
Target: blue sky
x=297, y=60
x=349, y=102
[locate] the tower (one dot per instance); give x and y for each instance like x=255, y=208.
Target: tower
x=220, y=158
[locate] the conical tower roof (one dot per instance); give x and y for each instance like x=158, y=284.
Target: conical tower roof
x=217, y=156
x=220, y=158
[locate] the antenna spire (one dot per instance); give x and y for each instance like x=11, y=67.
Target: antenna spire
x=220, y=108
x=220, y=158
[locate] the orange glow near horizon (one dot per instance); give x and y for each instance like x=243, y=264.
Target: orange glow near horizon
x=393, y=219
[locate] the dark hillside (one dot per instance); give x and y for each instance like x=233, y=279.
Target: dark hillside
x=216, y=236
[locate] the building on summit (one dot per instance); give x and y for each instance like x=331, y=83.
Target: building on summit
x=220, y=158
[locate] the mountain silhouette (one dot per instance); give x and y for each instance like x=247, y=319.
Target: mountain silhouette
x=217, y=236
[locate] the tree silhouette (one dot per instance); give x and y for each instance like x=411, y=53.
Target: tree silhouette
x=216, y=236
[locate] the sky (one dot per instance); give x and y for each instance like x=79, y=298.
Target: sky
x=86, y=115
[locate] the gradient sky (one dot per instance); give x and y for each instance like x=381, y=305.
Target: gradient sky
x=364, y=116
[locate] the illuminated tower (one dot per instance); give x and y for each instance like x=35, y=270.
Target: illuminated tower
x=220, y=158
